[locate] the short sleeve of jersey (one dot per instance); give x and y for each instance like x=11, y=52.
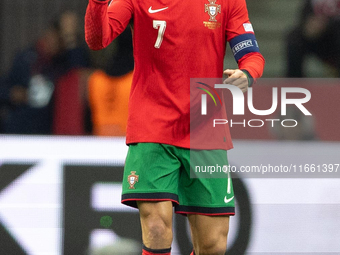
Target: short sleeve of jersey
x=238, y=19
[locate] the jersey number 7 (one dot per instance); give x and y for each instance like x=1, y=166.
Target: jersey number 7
x=160, y=25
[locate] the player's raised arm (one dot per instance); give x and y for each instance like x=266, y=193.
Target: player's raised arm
x=104, y=22
x=244, y=46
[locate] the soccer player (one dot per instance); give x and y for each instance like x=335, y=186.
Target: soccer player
x=174, y=41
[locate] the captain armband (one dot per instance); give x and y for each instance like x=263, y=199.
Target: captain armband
x=243, y=44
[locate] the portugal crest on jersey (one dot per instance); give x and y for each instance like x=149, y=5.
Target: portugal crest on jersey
x=212, y=9
x=132, y=179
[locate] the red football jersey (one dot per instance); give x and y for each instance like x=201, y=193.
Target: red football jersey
x=173, y=40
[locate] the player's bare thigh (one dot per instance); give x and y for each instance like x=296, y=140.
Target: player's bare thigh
x=209, y=233
x=156, y=223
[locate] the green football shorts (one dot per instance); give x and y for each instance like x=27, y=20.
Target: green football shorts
x=161, y=172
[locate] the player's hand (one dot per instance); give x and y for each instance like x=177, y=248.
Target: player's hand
x=236, y=77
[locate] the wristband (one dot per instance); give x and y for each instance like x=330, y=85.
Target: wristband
x=249, y=77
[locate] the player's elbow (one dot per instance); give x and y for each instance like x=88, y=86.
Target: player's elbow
x=94, y=42
x=93, y=34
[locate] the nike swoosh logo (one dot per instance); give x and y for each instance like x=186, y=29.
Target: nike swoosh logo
x=158, y=10
x=228, y=200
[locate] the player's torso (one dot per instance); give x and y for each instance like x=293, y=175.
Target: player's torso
x=174, y=40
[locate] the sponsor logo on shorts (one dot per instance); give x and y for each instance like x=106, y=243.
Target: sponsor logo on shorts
x=226, y=200
x=132, y=179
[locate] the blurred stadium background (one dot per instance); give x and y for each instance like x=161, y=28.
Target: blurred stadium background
x=60, y=194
